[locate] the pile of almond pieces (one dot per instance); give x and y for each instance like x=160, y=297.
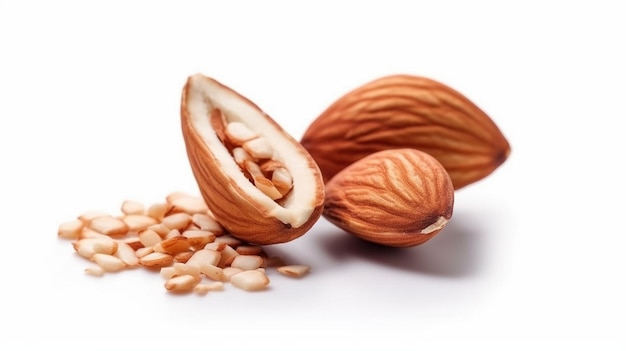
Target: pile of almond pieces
x=180, y=238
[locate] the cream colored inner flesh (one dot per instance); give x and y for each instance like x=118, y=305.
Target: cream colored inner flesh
x=439, y=223
x=203, y=96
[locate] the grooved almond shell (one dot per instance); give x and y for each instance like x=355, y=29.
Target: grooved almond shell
x=398, y=198
x=404, y=111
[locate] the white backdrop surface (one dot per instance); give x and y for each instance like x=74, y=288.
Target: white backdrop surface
x=534, y=255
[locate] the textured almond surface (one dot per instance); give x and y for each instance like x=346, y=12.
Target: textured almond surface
x=398, y=197
x=404, y=111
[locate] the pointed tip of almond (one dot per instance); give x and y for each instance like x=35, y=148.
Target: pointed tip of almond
x=437, y=225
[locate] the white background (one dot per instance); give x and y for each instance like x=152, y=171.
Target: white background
x=534, y=255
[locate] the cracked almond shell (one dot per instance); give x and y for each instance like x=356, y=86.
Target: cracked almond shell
x=245, y=211
x=397, y=198
x=405, y=111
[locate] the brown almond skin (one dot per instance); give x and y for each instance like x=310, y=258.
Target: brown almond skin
x=390, y=197
x=404, y=111
x=230, y=205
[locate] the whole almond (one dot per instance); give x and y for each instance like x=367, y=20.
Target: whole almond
x=405, y=111
x=398, y=198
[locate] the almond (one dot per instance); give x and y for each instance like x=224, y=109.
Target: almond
x=399, y=198
x=244, y=199
x=404, y=111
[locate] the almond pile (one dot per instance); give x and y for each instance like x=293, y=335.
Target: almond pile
x=180, y=238
x=393, y=151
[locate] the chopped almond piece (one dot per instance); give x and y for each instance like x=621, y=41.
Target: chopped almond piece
x=173, y=245
x=130, y=207
x=109, y=263
x=178, y=221
x=250, y=280
x=156, y=259
x=158, y=210
x=181, y=283
x=295, y=270
x=138, y=222
x=149, y=238
x=70, y=229
x=109, y=225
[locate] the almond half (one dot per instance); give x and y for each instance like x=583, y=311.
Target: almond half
x=405, y=111
x=242, y=197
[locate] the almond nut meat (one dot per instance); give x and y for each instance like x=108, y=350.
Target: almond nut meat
x=228, y=140
x=404, y=111
x=395, y=198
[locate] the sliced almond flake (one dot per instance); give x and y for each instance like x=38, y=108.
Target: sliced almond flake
x=171, y=197
x=228, y=240
x=282, y=180
x=126, y=253
x=247, y=262
x=206, y=222
x=87, y=232
x=88, y=216
x=96, y=271
x=204, y=288
x=262, y=183
x=109, y=263
x=158, y=210
x=202, y=257
x=268, y=166
x=156, y=259
x=178, y=221
x=268, y=188
x=105, y=246
x=238, y=133
x=149, y=238
x=138, y=222
x=294, y=270
x=199, y=238
x=250, y=280
x=131, y=207
x=241, y=156
x=144, y=251
x=109, y=225
x=212, y=272
x=160, y=229
x=205, y=260
x=183, y=257
x=228, y=254
x=173, y=245
x=249, y=250
x=70, y=229
x=217, y=246
x=258, y=148
x=189, y=205
x=201, y=289
x=182, y=268
x=86, y=247
x=181, y=283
